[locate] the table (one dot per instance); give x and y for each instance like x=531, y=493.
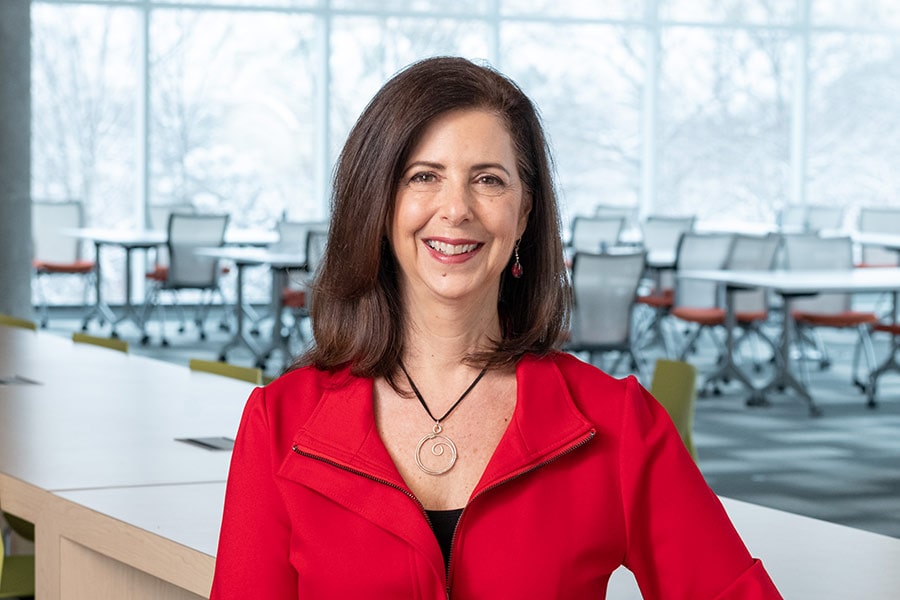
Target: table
x=143, y=239
x=279, y=263
x=806, y=558
x=101, y=420
x=88, y=455
x=794, y=284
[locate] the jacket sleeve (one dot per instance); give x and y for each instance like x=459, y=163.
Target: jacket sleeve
x=681, y=544
x=254, y=543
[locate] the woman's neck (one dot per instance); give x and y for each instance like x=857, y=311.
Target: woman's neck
x=438, y=338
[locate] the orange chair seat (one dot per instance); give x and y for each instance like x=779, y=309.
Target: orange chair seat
x=293, y=298
x=703, y=316
x=662, y=299
x=874, y=265
x=78, y=267
x=848, y=318
x=159, y=273
x=891, y=328
x=751, y=316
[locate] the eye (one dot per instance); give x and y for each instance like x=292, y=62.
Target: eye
x=423, y=177
x=489, y=179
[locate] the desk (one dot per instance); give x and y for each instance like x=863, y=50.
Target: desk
x=793, y=284
x=143, y=239
x=100, y=420
x=129, y=240
x=280, y=263
x=806, y=558
x=117, y=501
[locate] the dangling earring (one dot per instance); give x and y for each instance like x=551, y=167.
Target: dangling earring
x=516, y=268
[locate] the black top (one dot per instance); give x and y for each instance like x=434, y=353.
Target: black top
x=443, y=523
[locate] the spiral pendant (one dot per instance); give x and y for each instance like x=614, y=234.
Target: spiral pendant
x=440, y=444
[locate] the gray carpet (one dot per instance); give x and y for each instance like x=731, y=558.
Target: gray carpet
x=843, y=466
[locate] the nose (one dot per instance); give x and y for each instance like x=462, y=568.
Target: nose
x=456, y=202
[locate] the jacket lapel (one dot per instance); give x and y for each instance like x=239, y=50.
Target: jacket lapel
x=545, y=424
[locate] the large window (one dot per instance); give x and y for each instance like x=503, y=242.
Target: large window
x=727, y=109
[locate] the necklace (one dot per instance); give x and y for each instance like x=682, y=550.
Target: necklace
x=438, y=440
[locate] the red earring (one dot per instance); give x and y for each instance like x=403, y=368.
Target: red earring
x=516, y=268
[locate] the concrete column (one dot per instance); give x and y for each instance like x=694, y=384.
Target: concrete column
x=15, y=158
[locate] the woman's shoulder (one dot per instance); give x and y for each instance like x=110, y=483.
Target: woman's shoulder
x=580, y=373
x=299, y=390
x=593, y=390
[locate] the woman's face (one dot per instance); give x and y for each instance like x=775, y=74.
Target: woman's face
x=459, y=209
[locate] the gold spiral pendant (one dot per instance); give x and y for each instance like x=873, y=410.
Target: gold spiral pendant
x=440, y=445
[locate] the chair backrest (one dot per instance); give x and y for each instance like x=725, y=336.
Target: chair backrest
x=104, y=342
x=816, y=253
x=293, y=236
x=605, y=287
x=594, y=234
x=753, y=253
x=186, y=233
x=248, y=374
x=700, y=251
x=820, y=217
x=792, y=218
x=47, y=221
x=674, y=386
x=316, y=240
x=879, y=220
x=11, y=321
x=158, y=214
x=660, y=233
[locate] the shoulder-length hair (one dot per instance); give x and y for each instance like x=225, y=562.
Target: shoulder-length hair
x=356, y=312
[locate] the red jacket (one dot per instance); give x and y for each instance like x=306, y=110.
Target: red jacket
x=589, y=475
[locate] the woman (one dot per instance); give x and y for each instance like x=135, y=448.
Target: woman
x=434, y=443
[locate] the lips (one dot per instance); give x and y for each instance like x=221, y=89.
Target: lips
x=452, y=248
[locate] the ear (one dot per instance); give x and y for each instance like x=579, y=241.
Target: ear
x=523, y=215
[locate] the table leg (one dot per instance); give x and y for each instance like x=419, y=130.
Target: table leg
x=240, y=338
x=129, y=313
x=889, y=364
x=280, y=341
x=783, y=378
x=101, y=310
x=727, y=368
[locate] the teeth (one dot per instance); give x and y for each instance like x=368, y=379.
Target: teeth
x=451, y=249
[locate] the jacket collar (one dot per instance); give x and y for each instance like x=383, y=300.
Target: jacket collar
x=545, y=424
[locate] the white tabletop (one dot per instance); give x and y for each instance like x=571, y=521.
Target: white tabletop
x=100, y=418
x=136, y=238
x=890, y=241
x=251, y=255
x=806, y=558
x=874, y=279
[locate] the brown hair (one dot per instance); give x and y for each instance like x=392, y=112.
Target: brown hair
x=356, y=312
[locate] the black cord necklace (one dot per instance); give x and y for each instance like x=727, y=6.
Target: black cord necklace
x=437, y=439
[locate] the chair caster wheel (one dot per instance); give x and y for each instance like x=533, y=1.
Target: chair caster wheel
x=145, y=340
x=164, y=343
x=222, y=358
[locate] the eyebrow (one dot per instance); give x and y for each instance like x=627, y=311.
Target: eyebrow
x=440, y=166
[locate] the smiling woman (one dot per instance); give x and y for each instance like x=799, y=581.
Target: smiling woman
x=435, y=443
x=460, y=208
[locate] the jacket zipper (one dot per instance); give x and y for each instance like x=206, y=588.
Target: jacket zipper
x=543, y=463
x=412, y=496
x=365, y=475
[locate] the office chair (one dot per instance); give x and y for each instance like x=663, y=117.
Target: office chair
x=674, y=386
x=55, y=253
